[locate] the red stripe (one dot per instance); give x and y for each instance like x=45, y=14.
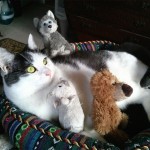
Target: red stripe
x=23, y=135
x=57, y=132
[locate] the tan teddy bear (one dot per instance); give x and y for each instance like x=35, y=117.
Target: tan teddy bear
x=108, y=120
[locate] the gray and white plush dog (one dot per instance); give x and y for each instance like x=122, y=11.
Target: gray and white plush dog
x=71, y=115
x=55, y=43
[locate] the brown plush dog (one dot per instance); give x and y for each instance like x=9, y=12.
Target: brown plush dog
x=107, y=117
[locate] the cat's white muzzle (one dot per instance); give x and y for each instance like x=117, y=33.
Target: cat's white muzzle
x=46, y=71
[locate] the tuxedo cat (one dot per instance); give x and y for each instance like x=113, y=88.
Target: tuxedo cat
x=31, y=75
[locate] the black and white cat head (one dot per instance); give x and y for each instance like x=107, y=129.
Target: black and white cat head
x=29, y=65
x=7, y=57
x=47, y=24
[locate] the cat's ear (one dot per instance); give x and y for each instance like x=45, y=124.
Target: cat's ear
x=6, y=59
x=50, y=14
x=31, y=43
x=35, y=22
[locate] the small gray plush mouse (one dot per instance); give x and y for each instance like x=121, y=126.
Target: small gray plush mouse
x=71, y=115
x=54, y=42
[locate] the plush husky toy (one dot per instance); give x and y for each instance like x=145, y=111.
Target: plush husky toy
x=53, y=40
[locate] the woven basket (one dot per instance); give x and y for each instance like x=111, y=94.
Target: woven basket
x=27, y=132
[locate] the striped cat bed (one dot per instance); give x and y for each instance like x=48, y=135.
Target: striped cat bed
x=15, y=46
x=27, y=132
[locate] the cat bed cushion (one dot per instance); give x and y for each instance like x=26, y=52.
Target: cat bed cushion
x=27, y=132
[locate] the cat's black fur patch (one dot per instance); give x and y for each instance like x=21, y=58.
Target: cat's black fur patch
x=138, y=119
x=145, y=81
x=95, y=60
x=18, y=68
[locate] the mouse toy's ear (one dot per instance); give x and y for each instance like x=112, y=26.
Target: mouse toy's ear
x=6, y=59
x=31, y=43
x=50, y=14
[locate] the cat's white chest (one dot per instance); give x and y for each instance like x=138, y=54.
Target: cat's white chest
x=38, y=103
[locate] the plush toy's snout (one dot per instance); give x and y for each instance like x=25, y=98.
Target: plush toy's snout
x=128, y=90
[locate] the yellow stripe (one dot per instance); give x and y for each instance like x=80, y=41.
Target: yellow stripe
x=92, y=45
x=85, y=146
x=20, y=118
x=30, y=118
x=76, y=143
x=14, y=116
x=94, y=148
x=59, y=138
x=4, y=117
x=68, y=141
x=34, y=126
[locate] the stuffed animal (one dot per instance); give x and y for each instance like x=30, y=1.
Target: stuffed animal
x=107, y=117
x=53, y=40
x=71, y=115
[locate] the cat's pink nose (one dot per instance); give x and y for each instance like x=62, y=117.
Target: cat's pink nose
x=48, y=74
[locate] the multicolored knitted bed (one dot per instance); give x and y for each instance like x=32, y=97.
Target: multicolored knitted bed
x=27, y=132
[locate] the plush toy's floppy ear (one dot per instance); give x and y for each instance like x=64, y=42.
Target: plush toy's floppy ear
x=35, y=22
x=6, y=59
x=50, y=14
x=31, y=43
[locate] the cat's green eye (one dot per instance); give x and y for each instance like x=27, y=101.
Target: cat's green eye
x=31, y=69
x=45, y=61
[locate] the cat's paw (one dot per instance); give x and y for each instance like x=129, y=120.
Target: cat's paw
x=54, y=53
x=93, y=134
x=62, y=49
x=4, y=143
x=66, y=52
